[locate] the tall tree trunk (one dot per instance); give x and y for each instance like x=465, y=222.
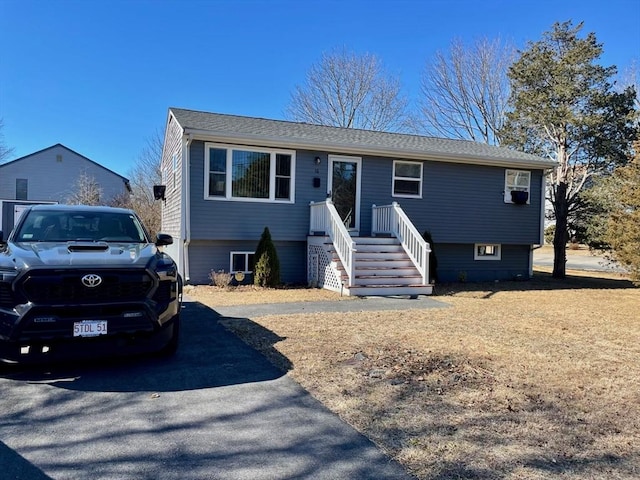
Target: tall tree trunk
x=560, y=236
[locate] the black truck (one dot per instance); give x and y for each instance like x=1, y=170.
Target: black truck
x=84, y=281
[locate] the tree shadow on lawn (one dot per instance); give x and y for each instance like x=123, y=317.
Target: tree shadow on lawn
x=443, y=437
x=209, y=356
x=540, y=281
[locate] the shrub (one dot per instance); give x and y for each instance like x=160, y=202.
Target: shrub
x=267, y=268
x=262, y=272
x=549, y=232
x=220, y=278
x=574, y=245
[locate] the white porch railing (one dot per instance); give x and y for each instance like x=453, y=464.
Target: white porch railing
x=391, y=219
x=325, y=218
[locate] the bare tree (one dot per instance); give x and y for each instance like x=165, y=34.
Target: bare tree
x=86, y=191
x=144, y=174
x=5, y=152
x=631, y=78
x=349, y=90
x=465, y=91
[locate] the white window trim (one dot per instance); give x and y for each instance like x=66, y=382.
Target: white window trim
x=246, y=261
x=394, y=178
x=497, y=256
x=229, y=166
x=508, y=188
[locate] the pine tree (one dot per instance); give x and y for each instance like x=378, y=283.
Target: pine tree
x=267, y=266
x=563, y=105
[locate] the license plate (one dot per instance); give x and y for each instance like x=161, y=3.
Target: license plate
x=89, y=328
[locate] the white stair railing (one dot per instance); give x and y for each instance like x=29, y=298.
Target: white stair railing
x=325, y=218
x=391, y=219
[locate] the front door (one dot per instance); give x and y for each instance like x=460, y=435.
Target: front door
x=344, y=188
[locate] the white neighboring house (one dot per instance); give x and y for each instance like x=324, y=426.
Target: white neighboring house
x=50, y=176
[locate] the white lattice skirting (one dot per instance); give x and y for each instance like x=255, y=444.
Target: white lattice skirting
x=320, y=271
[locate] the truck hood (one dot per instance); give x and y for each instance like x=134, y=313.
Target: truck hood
x=95, y=254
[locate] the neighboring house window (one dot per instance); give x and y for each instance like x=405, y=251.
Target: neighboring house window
x=484, y=251
x=237, y=173
x=22, y=190
x=516, y=180
x=241, y=262
x=407, y=179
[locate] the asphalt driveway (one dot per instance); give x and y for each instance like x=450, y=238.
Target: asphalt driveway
x=217, y=410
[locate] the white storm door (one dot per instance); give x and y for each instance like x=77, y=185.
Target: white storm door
x=344, y=189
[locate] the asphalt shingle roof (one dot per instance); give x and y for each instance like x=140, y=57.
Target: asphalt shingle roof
x=349, y=140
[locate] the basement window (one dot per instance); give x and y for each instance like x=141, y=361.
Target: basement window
x=242, y=262
x=487, y=251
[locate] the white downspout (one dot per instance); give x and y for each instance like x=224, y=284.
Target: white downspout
x=186, y=204
x=543, y=207
x=543, y=211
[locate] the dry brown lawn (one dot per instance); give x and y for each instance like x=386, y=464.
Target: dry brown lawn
x=536, y=379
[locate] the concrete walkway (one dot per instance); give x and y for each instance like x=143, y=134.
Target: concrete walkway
x=368, y=304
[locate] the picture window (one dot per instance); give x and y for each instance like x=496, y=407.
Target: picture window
x=238, y=173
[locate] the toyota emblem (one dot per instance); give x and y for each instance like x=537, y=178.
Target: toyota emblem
x=91, y=280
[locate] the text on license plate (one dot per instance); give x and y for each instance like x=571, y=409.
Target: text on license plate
x=89, y=328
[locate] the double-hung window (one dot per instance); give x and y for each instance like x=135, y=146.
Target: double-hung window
x=516, y=180
x=244, y=173
x=407, y=179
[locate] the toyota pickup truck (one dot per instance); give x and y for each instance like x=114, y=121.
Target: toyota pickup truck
x=84, y=281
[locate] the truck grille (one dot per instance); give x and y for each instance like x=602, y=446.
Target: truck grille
x=52, y=286
x=6, y=297
x=164, y=293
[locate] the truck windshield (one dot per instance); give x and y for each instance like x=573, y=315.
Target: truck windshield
x=57, y=226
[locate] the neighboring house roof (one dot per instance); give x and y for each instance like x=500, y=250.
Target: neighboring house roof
x=260, y=131
x=124, y=179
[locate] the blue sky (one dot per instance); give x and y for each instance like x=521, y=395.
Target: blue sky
x=99, y=76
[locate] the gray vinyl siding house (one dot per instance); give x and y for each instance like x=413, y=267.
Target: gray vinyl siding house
x=50, y=176
x=459, y=191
